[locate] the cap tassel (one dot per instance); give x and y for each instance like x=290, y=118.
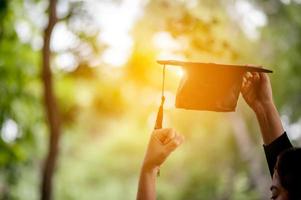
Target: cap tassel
x=159, y=119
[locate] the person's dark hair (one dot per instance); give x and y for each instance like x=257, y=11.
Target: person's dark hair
x=289, y=171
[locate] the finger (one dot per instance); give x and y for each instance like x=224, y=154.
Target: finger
x=246, y=87
x=256, y=76
x=264, y=77
x=174, y=143
x=165, y=134
x=169, y=136
x=248, y=75
x=247, y=93
x=244, y=80
x=174, y=136
x=243, y=87
x=254, y=73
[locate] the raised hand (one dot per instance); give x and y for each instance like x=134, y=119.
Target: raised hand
x=256, y=90
x=161, y=144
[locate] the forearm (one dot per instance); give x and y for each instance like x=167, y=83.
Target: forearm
x=147, y=184
x=269, y=122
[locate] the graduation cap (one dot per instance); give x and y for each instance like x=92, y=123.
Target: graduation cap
x=207, y=86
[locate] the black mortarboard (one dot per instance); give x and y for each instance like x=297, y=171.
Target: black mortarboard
x=209, y=86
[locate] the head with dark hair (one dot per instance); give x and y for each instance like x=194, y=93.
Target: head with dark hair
x=287, y=176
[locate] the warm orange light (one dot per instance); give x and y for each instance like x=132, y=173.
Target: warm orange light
x=179, y=72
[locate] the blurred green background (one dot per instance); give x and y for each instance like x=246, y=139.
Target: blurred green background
x=107, y=86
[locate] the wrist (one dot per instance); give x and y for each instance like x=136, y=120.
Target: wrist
x=147, y=169
x=262, y=108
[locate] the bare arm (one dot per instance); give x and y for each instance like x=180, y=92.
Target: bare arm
x=147, y=185
x=257, y=92
x=161, y=144
x=270, y=123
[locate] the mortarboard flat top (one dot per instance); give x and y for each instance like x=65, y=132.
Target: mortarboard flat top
x=210, y=86
x=248, y=68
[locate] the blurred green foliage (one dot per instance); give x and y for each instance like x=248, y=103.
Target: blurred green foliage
x=108, y=112
x=20, y=103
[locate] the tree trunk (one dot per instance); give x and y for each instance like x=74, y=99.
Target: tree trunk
x=50, y=107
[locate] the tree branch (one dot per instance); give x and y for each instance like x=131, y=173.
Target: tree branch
x=50, y=107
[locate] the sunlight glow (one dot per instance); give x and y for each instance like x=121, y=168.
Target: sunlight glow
x=179, y=72
x=23, y=31
x=62, y=38
x=9, y=132
x=249, y=17
x=66, y=62
x=167, y=46
x=170, y=99
x=164, y=41
x=116, y=21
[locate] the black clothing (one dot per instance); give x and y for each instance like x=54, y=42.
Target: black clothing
x=274, y=149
